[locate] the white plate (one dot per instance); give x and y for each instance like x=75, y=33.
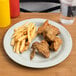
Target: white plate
x=38, y=61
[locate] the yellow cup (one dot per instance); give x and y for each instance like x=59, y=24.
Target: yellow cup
x=4, y=13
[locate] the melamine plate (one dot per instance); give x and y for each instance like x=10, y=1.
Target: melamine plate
x=38, y=61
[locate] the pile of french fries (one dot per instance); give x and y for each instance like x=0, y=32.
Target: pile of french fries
x=23, y=36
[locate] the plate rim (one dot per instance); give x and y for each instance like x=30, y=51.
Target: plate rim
x=39, y=66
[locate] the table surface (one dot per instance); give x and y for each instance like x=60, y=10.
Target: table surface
x=66, y=68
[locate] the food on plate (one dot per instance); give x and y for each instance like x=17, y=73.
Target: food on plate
x=12, y=42
x=23, y=36
x=48, y=31
x=42, y=48
x=46, y=27
x=32, y=54
x=56, y=44
x=41, y=28
x=51, y=40
x=48, y=36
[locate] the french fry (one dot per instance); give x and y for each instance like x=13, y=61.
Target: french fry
x=34, y=36
x=22, y=38
x=18, y=28
x=31, y=25
x=27, y=43
x=22, y=30
x=18, y=47
x=18, y=36
x=22, y=46
x=15, y=34
x=26, y=47
x=12, y=42
x=29, y=38
x=25, y=32
x=14, y=48
x=33, y=33
x=21, y=27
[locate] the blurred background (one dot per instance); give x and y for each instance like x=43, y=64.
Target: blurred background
x=39, y=5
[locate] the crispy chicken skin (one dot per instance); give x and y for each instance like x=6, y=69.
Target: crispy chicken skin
x=46, y=27
x=32, y=54
x=42, y=48
x=51, y=40
x=51, y=29
x=48, y=36
x=42, y=28
x=48, y=31
x=56, y=44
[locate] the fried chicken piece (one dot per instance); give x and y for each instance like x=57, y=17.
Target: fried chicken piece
x=56, y=44
x=42, y=48
x=48, y=31
x=32, y=54
x=46, y=27
x=52, y=29
x=42, y=28
x=48, y=36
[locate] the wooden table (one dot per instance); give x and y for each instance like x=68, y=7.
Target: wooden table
x=66, y=68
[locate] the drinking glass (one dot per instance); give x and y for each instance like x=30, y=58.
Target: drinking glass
x=67, y=12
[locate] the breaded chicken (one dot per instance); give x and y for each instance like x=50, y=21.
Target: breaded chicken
x=48, y=31
x=32, y=54
x=42, y=48
x=48, y=36
x=56, y=44
x=48, y=27
x=52, y=29
x=43, y=27
x=51, y=41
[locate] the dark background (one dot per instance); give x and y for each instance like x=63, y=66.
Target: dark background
x=57, y=1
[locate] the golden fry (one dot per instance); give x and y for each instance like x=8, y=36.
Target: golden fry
x=33, y=33
x=31, y=25
x=22, y=38
x=14, y=48
x=12, y=42
x=18, y=28
x=18, y=47
x=21, y=27
x=15, y=34
x=29, y=37
x=26, y=47
x=18, y=36
x=22, y=46
x=27, y=43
